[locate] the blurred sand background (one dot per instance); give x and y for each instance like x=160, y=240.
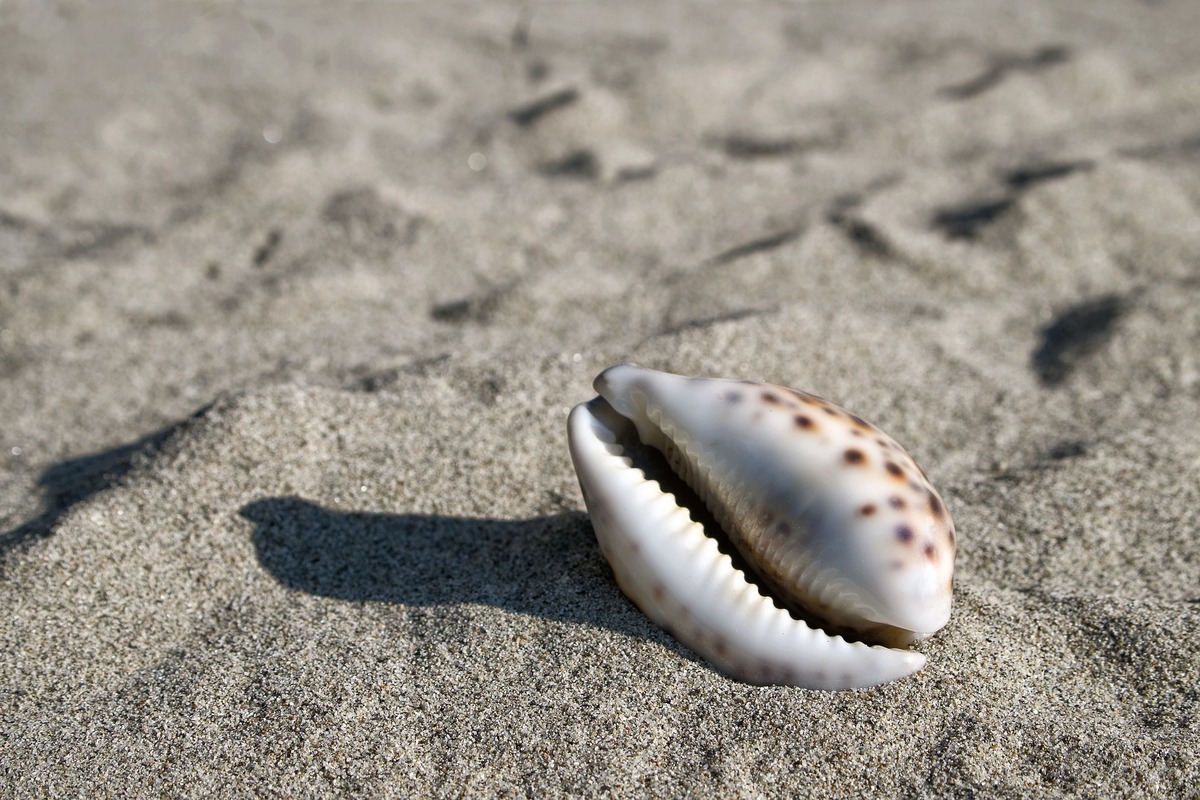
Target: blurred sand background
x=294, y=299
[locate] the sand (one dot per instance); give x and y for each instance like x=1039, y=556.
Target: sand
x=296, y=298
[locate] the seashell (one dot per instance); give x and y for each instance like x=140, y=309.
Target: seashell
x=820, y=509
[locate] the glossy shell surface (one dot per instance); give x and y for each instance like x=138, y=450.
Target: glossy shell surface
x=821, y=510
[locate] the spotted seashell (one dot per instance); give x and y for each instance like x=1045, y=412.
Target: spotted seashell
x=820, y=509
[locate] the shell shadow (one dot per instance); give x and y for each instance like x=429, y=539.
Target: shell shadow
x=548, y=566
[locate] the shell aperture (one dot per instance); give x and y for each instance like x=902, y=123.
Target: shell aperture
x=830, y=515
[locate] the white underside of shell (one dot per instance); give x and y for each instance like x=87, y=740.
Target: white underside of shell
x=676, y=574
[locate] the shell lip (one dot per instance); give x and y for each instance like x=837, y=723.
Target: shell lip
x=613, y=426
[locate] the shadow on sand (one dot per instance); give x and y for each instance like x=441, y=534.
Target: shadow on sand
x=548, y=567
x=74, y=480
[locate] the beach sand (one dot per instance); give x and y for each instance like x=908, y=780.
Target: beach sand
x=296, y=299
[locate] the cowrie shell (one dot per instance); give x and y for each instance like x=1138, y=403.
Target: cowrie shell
x=823, y=511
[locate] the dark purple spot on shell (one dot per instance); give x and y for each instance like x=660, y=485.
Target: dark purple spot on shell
x=853, y=456
x=867, y=510
x=893, y=469
x=904, y=534
x=896, y=502
x=733, y=396
x=803, y=422
x=772, y=398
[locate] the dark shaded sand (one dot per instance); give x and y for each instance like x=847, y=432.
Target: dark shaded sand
x=295, y=298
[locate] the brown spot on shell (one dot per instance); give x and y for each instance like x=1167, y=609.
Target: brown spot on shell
x=853, y=456
x=659, y=592
x=935, y=505
x=830, y=410
x=772, y=398
x=896, y=565
x=860, y=422
x=867, y=510
x=930, y=551
x=893, y=469
x=721, y=646
x=804, y=422
x=904, y=534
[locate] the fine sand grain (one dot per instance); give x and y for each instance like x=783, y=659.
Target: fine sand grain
x=295, y=299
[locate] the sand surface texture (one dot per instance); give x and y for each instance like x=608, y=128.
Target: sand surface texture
x=294, y=299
